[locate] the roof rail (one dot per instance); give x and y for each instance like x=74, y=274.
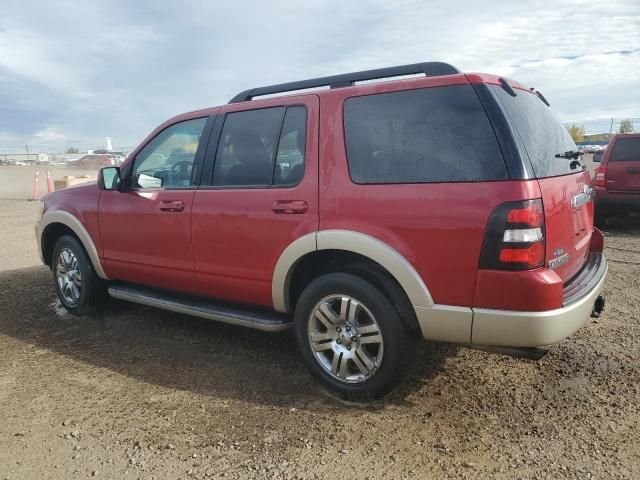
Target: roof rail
x=430, y=69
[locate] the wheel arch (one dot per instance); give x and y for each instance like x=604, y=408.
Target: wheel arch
x=57, y=223
x=378, y=252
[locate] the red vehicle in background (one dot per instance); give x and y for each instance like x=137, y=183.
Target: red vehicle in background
x=617, y=179
x=94, y=161
x=450, y=207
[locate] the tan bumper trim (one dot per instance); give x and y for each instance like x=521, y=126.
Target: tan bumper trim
x=531, y=329
x=445, y=323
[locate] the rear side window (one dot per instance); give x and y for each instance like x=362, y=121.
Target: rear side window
x=626, y=150
x=291, y=148
x=438, y=134
x=541, y=133
x=262, y=147
x=247, y=148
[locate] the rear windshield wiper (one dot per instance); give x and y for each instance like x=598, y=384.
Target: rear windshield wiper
x=571, y=154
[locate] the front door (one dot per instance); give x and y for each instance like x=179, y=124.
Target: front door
x=262, y=194
x=145, y=228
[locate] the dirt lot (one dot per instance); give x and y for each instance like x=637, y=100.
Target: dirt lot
x=139, y=393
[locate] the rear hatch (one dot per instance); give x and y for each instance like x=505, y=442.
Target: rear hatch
x=565, y=184
x=623, y=166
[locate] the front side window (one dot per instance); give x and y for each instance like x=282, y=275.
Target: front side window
x=167, y=160
x=438, y=134
x=262, y=148
x=626, y=150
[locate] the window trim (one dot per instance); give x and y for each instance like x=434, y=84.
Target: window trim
x=493, y=129
x=196, y=171
x=211, y=151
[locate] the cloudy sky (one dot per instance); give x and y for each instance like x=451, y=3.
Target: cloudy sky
x=72, y=72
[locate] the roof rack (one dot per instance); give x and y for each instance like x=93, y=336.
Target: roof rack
x=430, y=69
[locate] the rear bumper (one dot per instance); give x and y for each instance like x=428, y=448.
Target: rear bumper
x=531, y=329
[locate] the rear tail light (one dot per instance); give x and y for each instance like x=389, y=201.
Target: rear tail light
x=514, y=238
x=601, y=177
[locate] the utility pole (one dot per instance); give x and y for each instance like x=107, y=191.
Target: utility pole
x=611, y=130
x=27, y=147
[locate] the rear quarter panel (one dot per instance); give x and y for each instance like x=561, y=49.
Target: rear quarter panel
x=438, y=227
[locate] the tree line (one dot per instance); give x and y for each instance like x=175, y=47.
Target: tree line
x=578, y=134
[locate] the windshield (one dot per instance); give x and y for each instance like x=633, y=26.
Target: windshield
x=543, y=135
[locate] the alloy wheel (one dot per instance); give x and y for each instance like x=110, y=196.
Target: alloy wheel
x=345, y=338
x=68, y=276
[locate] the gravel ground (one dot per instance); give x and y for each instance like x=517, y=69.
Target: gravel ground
x=139, y=393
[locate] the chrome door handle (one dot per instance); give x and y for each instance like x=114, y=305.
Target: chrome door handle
x=172, y=206
x=290, y=206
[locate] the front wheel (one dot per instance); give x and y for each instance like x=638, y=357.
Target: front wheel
x=350, y=336
x=78, y=287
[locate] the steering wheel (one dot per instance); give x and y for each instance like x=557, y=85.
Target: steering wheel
x=180, y=172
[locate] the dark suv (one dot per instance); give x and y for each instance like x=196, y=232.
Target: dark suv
x=617, y=179
x=451, y=207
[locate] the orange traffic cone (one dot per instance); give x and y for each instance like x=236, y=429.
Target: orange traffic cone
x=36, y=189
x=49, y=183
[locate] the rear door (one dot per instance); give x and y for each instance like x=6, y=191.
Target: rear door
x=259, y=193
x=565, y=183
x=623, y=166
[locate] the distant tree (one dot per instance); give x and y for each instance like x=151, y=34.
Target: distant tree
x=626, y=125
x=576, y=132
x=72, y=150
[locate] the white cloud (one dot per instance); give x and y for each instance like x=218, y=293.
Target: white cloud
x=84, y=70
x=49, y=135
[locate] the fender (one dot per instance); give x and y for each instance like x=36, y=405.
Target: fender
x=437, y=322
x=351, y=241
x=65, y=218
x=285, y=267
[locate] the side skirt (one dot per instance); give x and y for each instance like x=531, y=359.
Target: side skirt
x=264, y=320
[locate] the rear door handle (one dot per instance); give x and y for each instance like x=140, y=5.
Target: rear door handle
x=290, y=206
x=172, y=206
x=633, y=170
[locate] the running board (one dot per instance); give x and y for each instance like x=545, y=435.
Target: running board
x=268, y=321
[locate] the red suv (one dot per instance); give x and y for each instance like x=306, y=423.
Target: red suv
x=617, y=178
x=452, y=207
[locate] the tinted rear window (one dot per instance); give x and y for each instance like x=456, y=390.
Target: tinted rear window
x=626, y=150
x=438, y=134
x=542, y=134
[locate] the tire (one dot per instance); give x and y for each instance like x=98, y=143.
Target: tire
x=78, y=287
x=351, y=337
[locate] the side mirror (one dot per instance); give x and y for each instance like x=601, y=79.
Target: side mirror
x=109, y=178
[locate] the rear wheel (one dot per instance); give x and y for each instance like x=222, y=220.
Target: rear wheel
x=78, y=287
x=350, y=336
